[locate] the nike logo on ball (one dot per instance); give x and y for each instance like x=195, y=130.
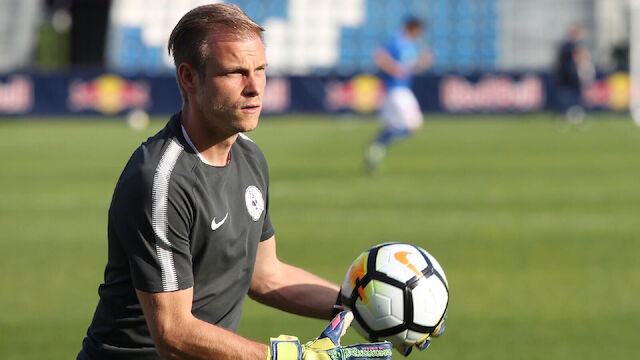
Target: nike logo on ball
x=401, y=256
x=215, y=225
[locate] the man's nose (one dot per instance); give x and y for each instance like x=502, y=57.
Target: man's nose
x=253, y=85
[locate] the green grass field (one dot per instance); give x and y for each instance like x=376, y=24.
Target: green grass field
x=537, y=229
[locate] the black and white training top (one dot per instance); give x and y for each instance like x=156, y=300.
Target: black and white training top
x=176, y=222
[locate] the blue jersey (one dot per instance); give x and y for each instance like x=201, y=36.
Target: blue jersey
x=404, y=50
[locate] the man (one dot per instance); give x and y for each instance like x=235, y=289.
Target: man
x=189, y=228
x=574, y=71
x=399, y=60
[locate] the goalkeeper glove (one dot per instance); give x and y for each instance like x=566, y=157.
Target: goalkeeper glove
x=423, y=343
x=327, y=346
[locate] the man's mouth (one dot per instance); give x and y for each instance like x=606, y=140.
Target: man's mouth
x=250, y=108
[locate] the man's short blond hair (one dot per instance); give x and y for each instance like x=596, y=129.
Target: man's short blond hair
x=188, y=41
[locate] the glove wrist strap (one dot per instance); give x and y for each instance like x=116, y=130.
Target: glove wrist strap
x=337, y=308
x=285, y=347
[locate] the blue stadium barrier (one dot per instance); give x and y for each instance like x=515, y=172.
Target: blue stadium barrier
x=111, y=93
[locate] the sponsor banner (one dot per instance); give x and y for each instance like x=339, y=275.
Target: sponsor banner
x=277, y=96
x=444, y=93
x=609, y=92
x=108, y=94
x=492, y=93
x=86, y=93
x=112, y=94
x=16, y=95
x=362, y=94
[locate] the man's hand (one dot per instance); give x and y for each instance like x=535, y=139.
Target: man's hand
x=423, y=343
x=327, y=346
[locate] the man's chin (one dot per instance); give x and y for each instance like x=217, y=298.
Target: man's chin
x=247, y=124
x=245, y=129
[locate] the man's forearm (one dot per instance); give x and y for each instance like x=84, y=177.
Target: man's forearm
x=177, y=334
x=299, y=292
x=197, y=339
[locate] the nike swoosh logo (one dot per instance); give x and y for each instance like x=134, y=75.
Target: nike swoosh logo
x=401, y=256
x=215, y=225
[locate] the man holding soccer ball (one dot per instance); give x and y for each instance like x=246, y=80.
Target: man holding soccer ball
x=189, y=232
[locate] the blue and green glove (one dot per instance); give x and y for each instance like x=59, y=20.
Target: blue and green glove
x=423, y=343
x=327, y=346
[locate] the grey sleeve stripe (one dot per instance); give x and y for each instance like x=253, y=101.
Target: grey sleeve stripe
x=160, y=221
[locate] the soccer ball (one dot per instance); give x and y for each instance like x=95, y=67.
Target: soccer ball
x=397, y=292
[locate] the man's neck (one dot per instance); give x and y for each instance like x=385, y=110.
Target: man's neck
x=213, y=148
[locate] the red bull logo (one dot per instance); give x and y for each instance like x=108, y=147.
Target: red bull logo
x=277, y=96
x=109, y=94
x=613, y=92
x=492, y=93
x=16, y=95
x=362, y=93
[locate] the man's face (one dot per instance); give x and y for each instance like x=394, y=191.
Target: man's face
x=230, y=94
x=414, y=31
x=576, y=33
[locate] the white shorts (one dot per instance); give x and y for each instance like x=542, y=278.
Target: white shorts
x=401, y=110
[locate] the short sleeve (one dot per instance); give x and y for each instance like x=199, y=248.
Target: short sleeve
x=267, y=226
x=391, y=46
x=149, y=217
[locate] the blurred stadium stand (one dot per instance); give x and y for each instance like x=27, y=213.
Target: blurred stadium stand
x=19, y=21
x=316, y=36
x=471, y=39
x=308, y=36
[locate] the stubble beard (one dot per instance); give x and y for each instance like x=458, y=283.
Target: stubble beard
x=230, y=120
x=219, y=120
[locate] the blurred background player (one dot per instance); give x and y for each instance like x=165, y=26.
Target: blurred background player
x=399, y=59
x=574, y=72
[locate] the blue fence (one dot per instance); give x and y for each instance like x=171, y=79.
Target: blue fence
x=110, y=93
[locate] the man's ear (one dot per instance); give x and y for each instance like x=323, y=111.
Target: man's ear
x=188, y=77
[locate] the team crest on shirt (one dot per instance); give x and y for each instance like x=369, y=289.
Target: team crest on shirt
x=254, y=201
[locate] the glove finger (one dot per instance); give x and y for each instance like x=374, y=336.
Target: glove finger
x=440, y=329
x=337, y=327
x=424, y=345
x=405, y=350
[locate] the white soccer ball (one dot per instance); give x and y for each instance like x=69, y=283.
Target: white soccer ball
x=397, y=292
